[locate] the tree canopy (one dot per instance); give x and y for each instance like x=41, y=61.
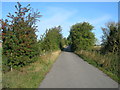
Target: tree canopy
x=51, y=39
x=19, y=38
x=111, y=37
x=81, y=36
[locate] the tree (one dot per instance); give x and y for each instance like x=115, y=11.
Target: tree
x=110, y=38
x=81, y=36
x=51, y=40
x=19, y=39
x=64, y=42
x=0, y=36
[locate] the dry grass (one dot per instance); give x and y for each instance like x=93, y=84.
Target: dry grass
x=30, y=76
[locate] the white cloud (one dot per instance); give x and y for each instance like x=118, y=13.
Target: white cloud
x=55, y=16
x=58, y=16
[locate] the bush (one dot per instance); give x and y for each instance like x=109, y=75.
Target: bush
x=51, y=40
x=81, y=36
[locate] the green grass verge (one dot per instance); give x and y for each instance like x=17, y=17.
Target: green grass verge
x=110, y=74
x=30, y=76
x=0, y=68
x=95, y=63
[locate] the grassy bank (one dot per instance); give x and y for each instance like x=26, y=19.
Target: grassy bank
x=107, y=63
x=0, y=68
x=30, y=76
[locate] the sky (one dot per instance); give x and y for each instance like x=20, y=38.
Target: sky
x=67, y=14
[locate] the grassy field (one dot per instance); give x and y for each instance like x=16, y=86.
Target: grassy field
x=30, y=76
x=0, y=68
x=107, y=63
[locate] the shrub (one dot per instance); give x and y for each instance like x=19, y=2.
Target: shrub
x=81, y=36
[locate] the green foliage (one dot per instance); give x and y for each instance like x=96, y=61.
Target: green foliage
x=20, y=45
x=0, y=36
x=30, y=76
x=64, y=42
x=109, y=63
x=111, y=46
x=111, y=37
x=81, y=36
x=51, y=40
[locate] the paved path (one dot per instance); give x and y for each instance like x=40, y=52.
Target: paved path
x=70, y=71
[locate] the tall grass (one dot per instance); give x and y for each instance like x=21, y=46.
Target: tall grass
x=30, y=76
x=108, y=63
x=0, y=67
